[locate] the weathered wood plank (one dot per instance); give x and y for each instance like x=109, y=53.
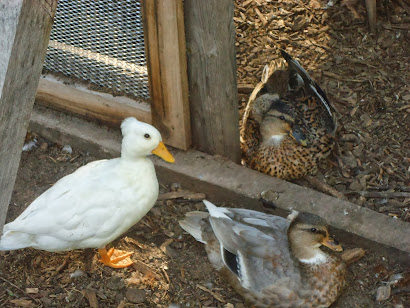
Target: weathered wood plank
x=89, y=104
x=210, y=36
x=165, y=50
x=25, y=29
x=371, y=14
x=228, y=183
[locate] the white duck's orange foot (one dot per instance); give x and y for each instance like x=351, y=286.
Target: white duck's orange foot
x=115, y=258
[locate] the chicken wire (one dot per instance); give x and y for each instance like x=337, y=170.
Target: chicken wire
x=101, y=42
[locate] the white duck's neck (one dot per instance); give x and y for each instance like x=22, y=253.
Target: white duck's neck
x=135, y=163
x=126, y=157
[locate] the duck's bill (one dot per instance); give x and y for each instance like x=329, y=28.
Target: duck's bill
x=162, y=151
x=332, y=244
x=299, y=137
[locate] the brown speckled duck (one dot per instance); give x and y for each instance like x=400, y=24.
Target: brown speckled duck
x=271, y=261
x=289, y=127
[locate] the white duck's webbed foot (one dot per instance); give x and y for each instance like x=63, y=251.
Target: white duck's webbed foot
x=115, y=258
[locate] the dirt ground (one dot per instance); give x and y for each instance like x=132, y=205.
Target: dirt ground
x=366, y=77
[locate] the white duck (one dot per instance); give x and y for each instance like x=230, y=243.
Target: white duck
x=95, y=204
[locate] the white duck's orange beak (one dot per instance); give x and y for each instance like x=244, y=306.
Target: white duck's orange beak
x=162, y=151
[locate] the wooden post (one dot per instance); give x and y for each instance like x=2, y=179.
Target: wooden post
x=210, y=36
x=168, y=81
x=371, y=14
x=25, y=29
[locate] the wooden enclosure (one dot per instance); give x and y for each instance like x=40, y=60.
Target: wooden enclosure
x=168, y=109
x=198, y=91
x=26, y=26
x=194, y=104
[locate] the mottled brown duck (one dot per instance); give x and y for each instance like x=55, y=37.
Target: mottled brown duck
x=288, y=126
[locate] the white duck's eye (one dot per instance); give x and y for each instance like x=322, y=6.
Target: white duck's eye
x=147, y=136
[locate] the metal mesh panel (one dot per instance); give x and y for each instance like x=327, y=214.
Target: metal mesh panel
x=101, y=42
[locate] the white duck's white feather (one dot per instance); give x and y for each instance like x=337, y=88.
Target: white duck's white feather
x=94, y=205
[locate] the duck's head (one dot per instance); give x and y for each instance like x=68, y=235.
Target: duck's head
x=274, y=117
x=306, y=233
x=141, y=139
x=276, y=120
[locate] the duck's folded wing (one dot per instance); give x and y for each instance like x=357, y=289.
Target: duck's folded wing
x=311, y=86
x=254, y=247
x=73, y=209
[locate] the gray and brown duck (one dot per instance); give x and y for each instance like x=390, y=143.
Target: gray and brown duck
x=288, y=125
x=270, y=260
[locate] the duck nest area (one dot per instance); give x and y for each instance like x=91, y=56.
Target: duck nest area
x=366, y=78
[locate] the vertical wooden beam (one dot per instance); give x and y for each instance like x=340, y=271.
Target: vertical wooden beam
x=371, y=14
x=210, y=35
x=25, y=28
x=166, y=58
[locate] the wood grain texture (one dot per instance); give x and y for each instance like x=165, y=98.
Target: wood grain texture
x=210, y=36
x=165, y=50
x=371, y=14
x=90, y=105
x=25, y=29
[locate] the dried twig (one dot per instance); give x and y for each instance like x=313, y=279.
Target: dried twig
x=338, y=77
x=245, y=88
x=325, y=188
x=381, y=194
x=62, y=266
x=21, y=290
x=217, y=296
x=184, y=194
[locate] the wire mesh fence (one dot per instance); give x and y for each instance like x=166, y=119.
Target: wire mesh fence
x=101, y=42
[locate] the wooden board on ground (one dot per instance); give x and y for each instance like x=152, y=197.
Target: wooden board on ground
x=225, y=182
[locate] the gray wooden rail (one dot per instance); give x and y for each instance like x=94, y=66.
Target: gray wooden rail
x=25, y=29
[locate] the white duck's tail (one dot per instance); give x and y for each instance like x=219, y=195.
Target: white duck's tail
x=12, y=240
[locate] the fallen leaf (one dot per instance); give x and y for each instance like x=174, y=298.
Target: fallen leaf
x=21, y=302
x=353, y=255
x=383, y=293
x=32, y=290
x=91, y=296
x=122, y=303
